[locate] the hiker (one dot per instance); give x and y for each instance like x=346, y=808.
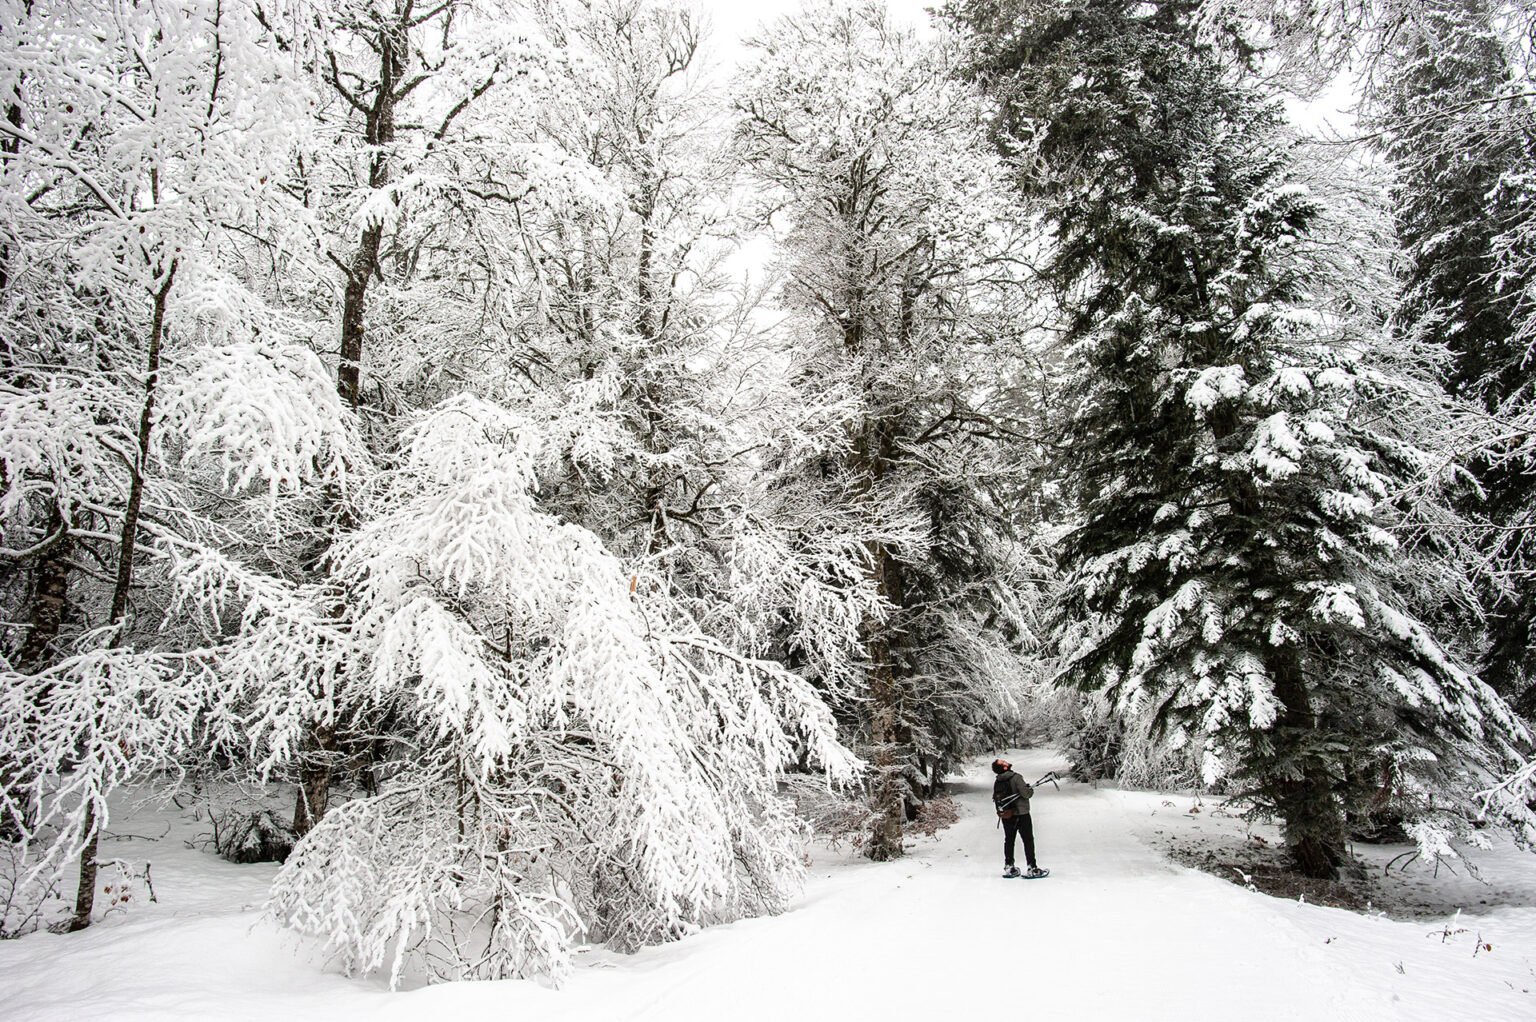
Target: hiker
x=1010, y=793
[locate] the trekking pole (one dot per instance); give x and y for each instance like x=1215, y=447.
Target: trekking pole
x=1050, y=775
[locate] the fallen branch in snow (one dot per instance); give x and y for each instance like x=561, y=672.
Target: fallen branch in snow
x=135, y=837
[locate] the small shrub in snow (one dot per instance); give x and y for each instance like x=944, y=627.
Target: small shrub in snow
x=251, y=835
x=837, y=817
x=29, y=901
x=934, y=815
x=125, y=884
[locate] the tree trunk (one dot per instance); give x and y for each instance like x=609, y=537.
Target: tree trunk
x=650, y=398
x=11, y=146
x=85, y=892
x=365, y=263
x=315, y=771
x=1301, y=786
x=50, y=591
x=888, y=734
x=129, y=542
x=379, y=130
x=50, y=595
x=890, y=737
x=5, y=250
x=317, y=768
x=889, y=795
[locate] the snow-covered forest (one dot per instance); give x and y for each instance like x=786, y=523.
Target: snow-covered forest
x=532, y=468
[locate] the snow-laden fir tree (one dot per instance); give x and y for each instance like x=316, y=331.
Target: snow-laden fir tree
x=904, y=287
x=1230, y=439
x=1444, y=88
x=1454, y=119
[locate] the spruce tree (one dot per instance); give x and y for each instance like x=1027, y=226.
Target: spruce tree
x=1233, y=557
x=1449, y=116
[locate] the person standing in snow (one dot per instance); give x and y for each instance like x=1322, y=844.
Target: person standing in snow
x=1010, y=793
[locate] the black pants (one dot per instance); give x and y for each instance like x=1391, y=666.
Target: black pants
x=1015, y=826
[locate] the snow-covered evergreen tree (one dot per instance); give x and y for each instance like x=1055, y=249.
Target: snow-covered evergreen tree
x=1459, y=132
x=1444, y=87
x=1235, y=477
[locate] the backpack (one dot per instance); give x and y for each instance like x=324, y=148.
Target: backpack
x=1003, y=796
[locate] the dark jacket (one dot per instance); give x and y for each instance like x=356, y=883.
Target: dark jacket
x=1017, y=786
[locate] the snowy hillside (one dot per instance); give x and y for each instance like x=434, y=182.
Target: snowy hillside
x=1116, y=932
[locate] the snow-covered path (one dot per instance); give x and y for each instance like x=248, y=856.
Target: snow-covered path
x=1115, y=933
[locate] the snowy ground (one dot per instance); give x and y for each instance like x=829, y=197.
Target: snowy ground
x=1116, y=932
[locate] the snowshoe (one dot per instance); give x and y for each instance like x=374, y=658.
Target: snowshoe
x=1034, y=873
x=1011, y=872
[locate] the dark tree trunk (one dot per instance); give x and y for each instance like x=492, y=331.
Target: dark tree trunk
x=365, y=263
x=1303, y=790
x=128, y=545
x=85, y=892
x=50, y=596
x=1314, y=856
x=9, y=146
x=317, y=768
x=379, y=130
x=875, y=453
x=315, y=772
x=888, y=733
x=50, y=592
x=655, y=493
